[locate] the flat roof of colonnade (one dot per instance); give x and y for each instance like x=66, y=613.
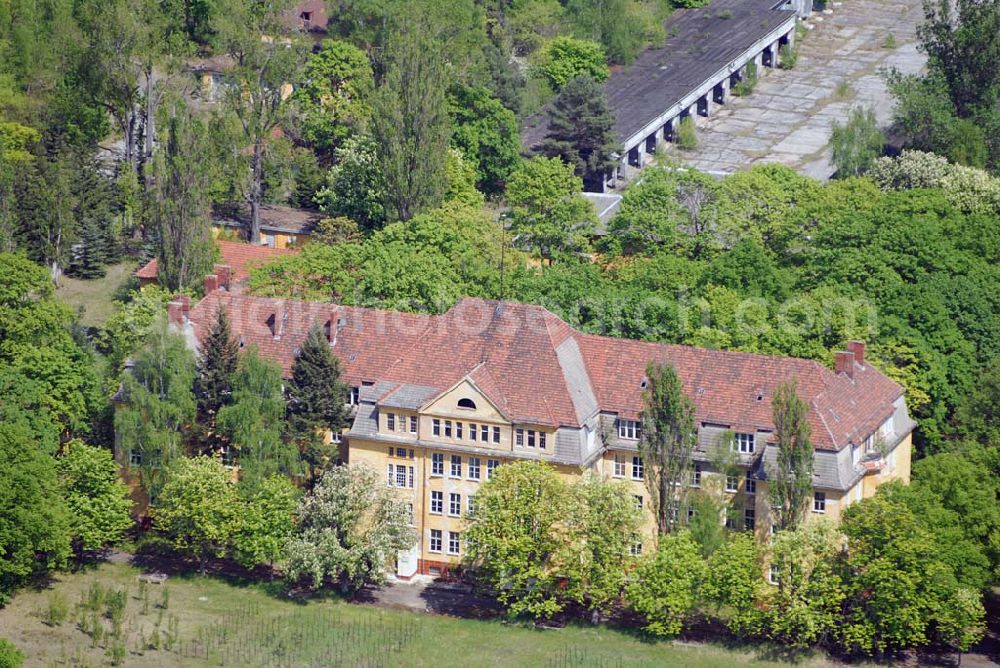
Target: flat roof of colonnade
x=699, y=43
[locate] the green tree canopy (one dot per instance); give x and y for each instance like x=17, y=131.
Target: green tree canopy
x=487, y=133
x=266, y=521
x=565, y=58
x=97, y=501
x=666, y=587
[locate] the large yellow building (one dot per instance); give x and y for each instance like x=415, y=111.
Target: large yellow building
x=442, y=401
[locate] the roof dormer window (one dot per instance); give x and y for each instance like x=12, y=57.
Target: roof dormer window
x=465, y=402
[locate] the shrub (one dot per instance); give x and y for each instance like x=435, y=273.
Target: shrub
x=10, y=655
x=687, y=135
x=787, y=56
x=748, y=82
x=856, y=144
x=889, y=42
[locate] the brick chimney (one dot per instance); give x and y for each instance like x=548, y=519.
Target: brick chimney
x=175, y=313
x=845, y=363
x=225, y=274
x=858, y=348
x=211, y=284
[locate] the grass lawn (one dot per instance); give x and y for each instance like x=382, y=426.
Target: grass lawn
x=95, y=295
x=214, y=623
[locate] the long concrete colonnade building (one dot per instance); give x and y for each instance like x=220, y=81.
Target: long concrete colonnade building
x=705, y=55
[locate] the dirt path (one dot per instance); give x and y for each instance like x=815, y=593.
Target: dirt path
x=787, y=119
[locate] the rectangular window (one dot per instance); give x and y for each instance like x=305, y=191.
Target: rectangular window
x=691, y=513
x=135, y=457
x=436, y=427
x=400, y=475
x=437, y=464
x=454, y=504
x=437, y=503
x=435, y=540
x=635, y=549
x=409, y=513
x=819, y=502
x=749, y=520
x=732, y=483
x=390, y=475
x=447, y=428
x=496, y=434
x=484, y=433
x=355, y=397
x=474, y=468
x=390, y=421
x=744, y=443
x=456, y=466
x=472, y=432
x=458, y=430
x=401, y=452
x=410, y=479
x=519, y=438
x=637, y=469
x=531, y=438
x=413, y=424
x=696, y=476
x=619, y=466
x=751, y=484
x=541, y=440
x=638, y=501
x=772, y=574
x=470, y=502
x=491, y=466
x=454, y=545
x=629, y=429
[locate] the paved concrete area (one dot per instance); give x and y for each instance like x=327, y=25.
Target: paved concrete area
x=787, y=118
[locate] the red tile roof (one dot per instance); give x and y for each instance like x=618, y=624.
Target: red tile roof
x=241, y=257
x=515, y=354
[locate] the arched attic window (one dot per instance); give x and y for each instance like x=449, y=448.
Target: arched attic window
x=467, y=403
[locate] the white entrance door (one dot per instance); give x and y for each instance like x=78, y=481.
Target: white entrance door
x=406, y=562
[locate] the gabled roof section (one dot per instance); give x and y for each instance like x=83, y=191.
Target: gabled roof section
x=240, y=257
x=536, y=369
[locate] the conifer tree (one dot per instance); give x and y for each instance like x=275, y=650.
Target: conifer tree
x=790, y=480
x=316, y=399
x=219, y=359
x=581, y=130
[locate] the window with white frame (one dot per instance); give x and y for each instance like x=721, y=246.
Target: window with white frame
x=355, y=396
x=692, y=511
x=447, y=428
x=409, y=513
x=458, y=430
x=496, y=434
x=541, y=440
x=744, y=443
x=749, y=519
x=227, y=455
x=819, y=502
x=454, y=543
x=491, y=466
x=531, y=438
x=135, y=457
x=437, y=503
x=635, y=549
x=474, y=468
x=390, y=421
x=484, y=433
x=750, y=483
x=638, y=501
x=470, y=503
x=456, y=466
x=620, y=464
x=732, y=483
x=400, y=476
x=629, y=429
x=695, y=477
x=637, y=468
x=437, y=463
x=519, y=438
x=454, y=504
x=436, y=427
x=435, y=540
x=413, y=424
x=772, y=574
x=472, y=431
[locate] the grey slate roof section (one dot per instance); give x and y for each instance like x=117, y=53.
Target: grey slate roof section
x=569, y=445
x=577, y=380
x=701, y=42
x=365, y=421
x=409, y=396
x=372, y=393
